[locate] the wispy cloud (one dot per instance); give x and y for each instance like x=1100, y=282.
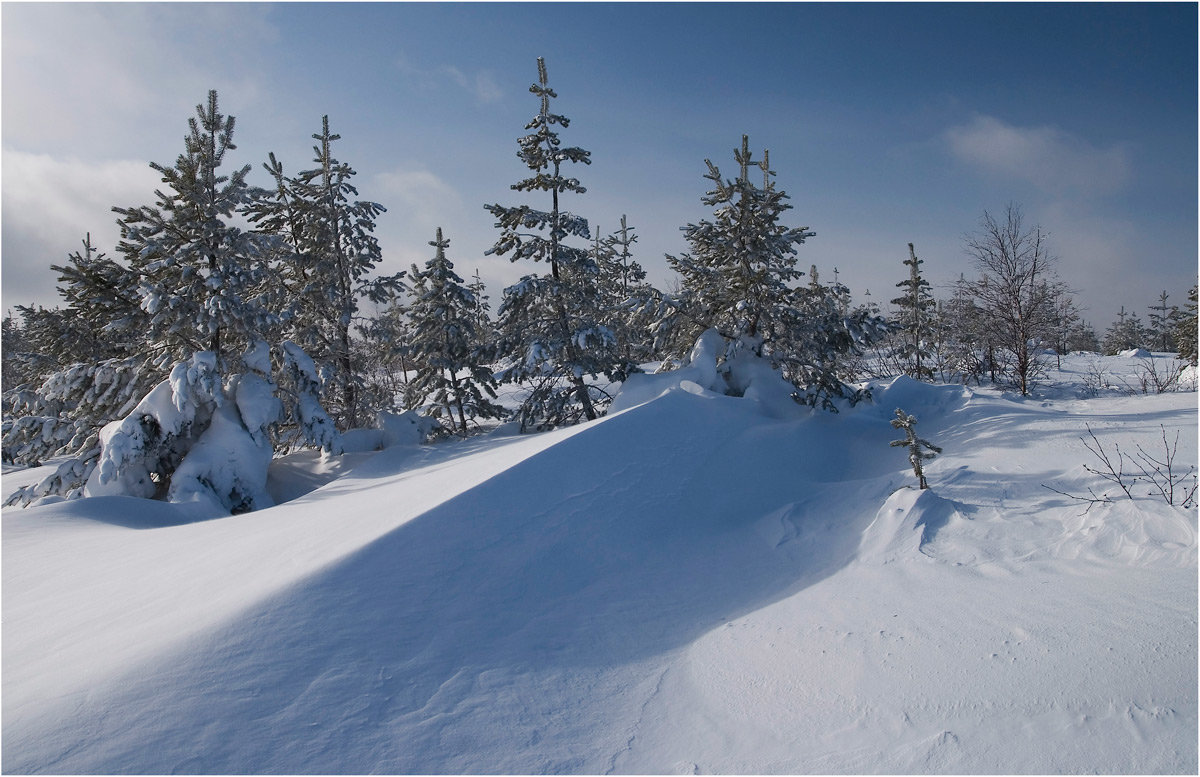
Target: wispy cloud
x=1055, y=161
x=50, y=203
x=481, y=85
x=417, y=196
x=116, y=65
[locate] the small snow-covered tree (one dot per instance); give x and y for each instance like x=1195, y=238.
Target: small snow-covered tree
x=448, y=346
x=919, y=450
x=551, y=329
x=103, y=316
x=623, y=292
x=915, y=319
x=301, y=386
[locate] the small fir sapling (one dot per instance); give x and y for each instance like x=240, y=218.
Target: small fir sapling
x=915, y=444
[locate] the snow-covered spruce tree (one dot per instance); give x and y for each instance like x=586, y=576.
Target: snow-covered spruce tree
x=448, y=346
x=81, y=370
x=1014, y=293
x=738, y=279
x=1185, y=330
x=915, y=309
x=327, y=251
x=624, y=291
x=199, y=274
x=551, y=330
x=385, y=354
x=300, y=392
x=966, y=343
x=919, y=450
x=482, y=313
x=1064, y=327
x=103, y=311
x=822, y=335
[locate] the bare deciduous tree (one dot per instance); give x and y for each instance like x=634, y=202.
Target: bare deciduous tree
x=1016, y=290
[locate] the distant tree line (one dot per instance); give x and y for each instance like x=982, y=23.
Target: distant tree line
x=261, y=310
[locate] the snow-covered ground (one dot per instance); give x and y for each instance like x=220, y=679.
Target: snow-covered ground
x=687, y=585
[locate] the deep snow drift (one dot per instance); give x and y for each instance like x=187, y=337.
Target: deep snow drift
x=692, y=584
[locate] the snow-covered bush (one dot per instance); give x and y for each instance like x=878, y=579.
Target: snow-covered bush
x=195, y=438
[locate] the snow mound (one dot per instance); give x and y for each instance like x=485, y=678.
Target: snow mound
x=934, y=401
x=742, y=375
x=911, y=521
x=1135, y=353
x=685, y=585
x=1142, y=533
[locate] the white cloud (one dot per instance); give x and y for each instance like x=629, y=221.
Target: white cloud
x=417, y=197
x=481, y=85
x=113, y=66
x=1054, y=161
x=50, y=203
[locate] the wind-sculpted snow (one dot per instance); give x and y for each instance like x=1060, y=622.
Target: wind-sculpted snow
x=687, y=585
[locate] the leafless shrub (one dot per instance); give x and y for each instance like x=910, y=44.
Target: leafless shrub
x=1127, y=471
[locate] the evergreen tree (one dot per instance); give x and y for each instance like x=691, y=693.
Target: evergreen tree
x=1185, y=330
x=550, y=324
x=1064, y=326
x=622, y=289
x=448, y=344
x=919, y=450
x=103, y=314
x=385, y=351
x=967, y=342
x=329, y=249
x=737, y=276
x=1126, y=333
x=738, y=279
x=1160, y=333
x=199, y=274
x=915, y=318
x=1082, y=337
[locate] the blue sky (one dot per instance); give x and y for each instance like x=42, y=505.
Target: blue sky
x=887, y=123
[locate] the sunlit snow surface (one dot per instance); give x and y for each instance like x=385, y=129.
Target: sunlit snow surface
x=688, y=585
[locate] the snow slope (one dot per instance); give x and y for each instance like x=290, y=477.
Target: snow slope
x=687, y=585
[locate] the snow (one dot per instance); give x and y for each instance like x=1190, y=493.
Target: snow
x=691, y=584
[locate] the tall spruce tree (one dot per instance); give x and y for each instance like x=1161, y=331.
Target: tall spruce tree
x=448, y=345
x=551, y=324
x=915, y=317
x=329, y=250
x=199, y=274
